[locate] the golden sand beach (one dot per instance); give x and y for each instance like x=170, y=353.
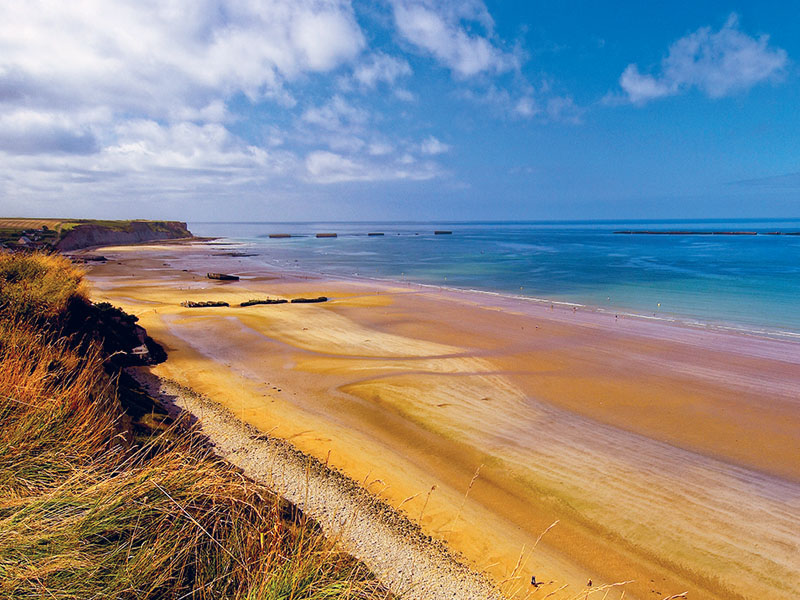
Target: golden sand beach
x=669, y=455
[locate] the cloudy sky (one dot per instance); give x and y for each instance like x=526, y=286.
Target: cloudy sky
x=399, y=109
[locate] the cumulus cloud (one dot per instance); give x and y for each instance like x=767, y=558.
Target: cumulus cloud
x=337, y=115
x=404, y=95
x=718, y=63
x=143, y=145
x=442, y=30
x=542, y=105
x=380, y=148
x=330, y=167
x=381, y=68
x=433, y=146
x=35, y=132
x=127, y=91
x=526, y=107
x=219, y=98
x=156, y=57
x=146, y=160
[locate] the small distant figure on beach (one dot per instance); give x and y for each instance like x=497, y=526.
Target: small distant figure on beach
x=535, y=583
x=589, y=584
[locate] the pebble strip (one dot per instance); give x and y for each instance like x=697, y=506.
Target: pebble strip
x=405, y=560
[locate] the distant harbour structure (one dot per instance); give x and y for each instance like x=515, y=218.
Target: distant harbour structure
x=327, y=235
x=372, y=233
x=442, y=232
x=279, y=235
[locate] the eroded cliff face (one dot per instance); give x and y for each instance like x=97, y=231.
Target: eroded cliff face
x=92, y=234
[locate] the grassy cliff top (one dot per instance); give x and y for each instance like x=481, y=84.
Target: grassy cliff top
x=49, y=232
x=101, y=496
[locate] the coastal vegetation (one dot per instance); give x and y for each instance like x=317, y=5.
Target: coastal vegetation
x=71, y=234
x=102, y=495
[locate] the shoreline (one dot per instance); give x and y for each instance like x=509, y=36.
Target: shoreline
x=674, y=319
x=381, y=367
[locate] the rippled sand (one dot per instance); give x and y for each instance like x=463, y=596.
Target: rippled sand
x=669, y=455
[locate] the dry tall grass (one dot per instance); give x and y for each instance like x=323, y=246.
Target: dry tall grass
x=88, y=509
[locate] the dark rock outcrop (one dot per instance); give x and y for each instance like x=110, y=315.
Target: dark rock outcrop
x=203, y=303
x=124, y=341
x=265, y=301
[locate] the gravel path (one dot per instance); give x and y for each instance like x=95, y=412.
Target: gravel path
x=405, y=560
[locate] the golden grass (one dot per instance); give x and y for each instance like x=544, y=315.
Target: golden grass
x=91, y=508
x=38, y=285
x=30, y=223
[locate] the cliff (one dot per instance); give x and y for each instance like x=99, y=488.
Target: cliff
x=99, y=233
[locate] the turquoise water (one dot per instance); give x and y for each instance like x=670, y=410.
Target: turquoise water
x=750, y=282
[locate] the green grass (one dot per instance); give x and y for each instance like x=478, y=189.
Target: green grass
x=12, y=234
x=96, y=503
x=12, y=229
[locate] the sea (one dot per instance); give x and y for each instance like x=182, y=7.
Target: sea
x=749, y=283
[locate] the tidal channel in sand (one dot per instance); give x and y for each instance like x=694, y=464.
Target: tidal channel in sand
x=669, y=455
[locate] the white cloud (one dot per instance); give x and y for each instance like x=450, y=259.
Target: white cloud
x=337, y=115
x=433, y=146
x=564, y=110
x=439, y=29
x=380, y=149
x=542, y=104
x=24, y=131
x=348, y=143
x=144, y=144
x=718, y=63
x=329, y=167
x=215, y=111
x=642, y=88
x=156, y=58
x=381, y=68
x=216, y=98
x=134, y=97
x=404, y=95
x=526, y=107
x=146, y=160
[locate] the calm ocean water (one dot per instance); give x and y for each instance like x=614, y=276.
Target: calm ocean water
x=749, y=282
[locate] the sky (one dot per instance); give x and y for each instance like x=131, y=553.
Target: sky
x=285, y=110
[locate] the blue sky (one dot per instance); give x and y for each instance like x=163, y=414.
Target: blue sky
x=403, y=109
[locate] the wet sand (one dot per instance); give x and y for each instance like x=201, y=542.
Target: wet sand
x=669, y=455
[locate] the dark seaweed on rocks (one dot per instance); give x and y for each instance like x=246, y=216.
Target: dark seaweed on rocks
x=202, y=304
x=265, y=301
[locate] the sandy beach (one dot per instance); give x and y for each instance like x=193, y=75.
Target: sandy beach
x=669, y=455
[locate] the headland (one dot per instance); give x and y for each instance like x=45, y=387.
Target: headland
x=75, y=234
